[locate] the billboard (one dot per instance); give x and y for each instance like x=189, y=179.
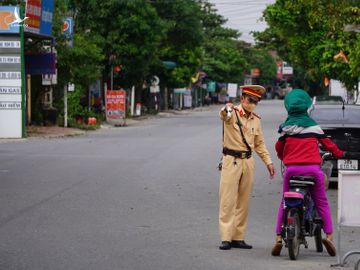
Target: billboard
x=9, y=20
x=115, y=104
x=40, y=63
x=11, y=122
x=40, y=15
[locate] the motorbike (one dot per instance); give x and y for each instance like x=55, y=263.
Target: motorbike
x=300, y=218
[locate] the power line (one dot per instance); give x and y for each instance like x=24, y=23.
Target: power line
x=250, y=3
x=242, y=10
x=243, y=15
x=246, y=17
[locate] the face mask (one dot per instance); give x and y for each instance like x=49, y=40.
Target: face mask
x=248, y=107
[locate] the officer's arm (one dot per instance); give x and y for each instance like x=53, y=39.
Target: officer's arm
x=260, y=147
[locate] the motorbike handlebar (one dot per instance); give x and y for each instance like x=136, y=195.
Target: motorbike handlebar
x=347, y=155
x=352, y=155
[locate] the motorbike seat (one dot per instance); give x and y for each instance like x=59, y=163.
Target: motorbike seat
x=302, y=180
x=293, y=195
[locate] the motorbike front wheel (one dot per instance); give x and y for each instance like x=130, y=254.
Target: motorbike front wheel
x=293, y=234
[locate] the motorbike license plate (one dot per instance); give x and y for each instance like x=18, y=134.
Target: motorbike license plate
x=347, y=164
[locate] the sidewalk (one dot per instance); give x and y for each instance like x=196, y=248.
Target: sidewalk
x=52, y=131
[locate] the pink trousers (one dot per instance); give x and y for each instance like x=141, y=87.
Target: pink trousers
x=317, y=193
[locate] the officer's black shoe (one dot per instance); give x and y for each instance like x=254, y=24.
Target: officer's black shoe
x=225, y=245
x=240, y=244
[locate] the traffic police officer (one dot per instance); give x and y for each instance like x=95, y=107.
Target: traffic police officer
x=242, y=135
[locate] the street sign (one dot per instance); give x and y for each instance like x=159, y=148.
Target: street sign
x=154, y=87
x=71, y=87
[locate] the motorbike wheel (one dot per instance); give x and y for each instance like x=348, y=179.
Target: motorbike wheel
x=293, y=235
x=318, y=239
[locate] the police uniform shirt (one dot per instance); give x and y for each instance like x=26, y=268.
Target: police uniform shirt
x=252, y=131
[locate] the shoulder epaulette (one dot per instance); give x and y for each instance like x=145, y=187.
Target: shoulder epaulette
x=258, y=116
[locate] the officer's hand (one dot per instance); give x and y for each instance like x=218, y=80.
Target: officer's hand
x=228, y=107
x=271, y=170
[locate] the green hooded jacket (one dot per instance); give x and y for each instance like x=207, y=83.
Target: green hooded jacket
x=297, y=102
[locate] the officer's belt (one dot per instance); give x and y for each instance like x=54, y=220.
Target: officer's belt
x=237, y=154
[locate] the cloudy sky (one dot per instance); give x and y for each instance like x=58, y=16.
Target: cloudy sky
x=243, y=15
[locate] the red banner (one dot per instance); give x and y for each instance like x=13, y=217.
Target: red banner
x=33, y=12
x=116, y=104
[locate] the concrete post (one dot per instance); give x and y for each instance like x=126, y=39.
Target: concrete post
x=132, y=101
x=166, y=105
x=65, y=106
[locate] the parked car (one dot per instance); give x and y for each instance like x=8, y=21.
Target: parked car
x=328, y=100
x=341, y=122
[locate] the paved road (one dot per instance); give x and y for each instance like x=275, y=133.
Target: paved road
x=142, y=197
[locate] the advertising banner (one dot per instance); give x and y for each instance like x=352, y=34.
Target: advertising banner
x=115, y=104
x=187, y=101
x=67, y=30
x=33, y=12
x=40, y=15
x=47, y=10
x=232, y=89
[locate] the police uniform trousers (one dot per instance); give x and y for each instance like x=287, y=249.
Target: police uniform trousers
x=236, y=183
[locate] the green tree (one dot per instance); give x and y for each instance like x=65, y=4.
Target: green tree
x=223, y=55
x=129, y=33
x=261, y=59
x=309, y=33
x=182, y=42
x=79, y=64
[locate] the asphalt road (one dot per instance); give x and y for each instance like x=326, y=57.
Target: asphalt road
x=142, y=197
